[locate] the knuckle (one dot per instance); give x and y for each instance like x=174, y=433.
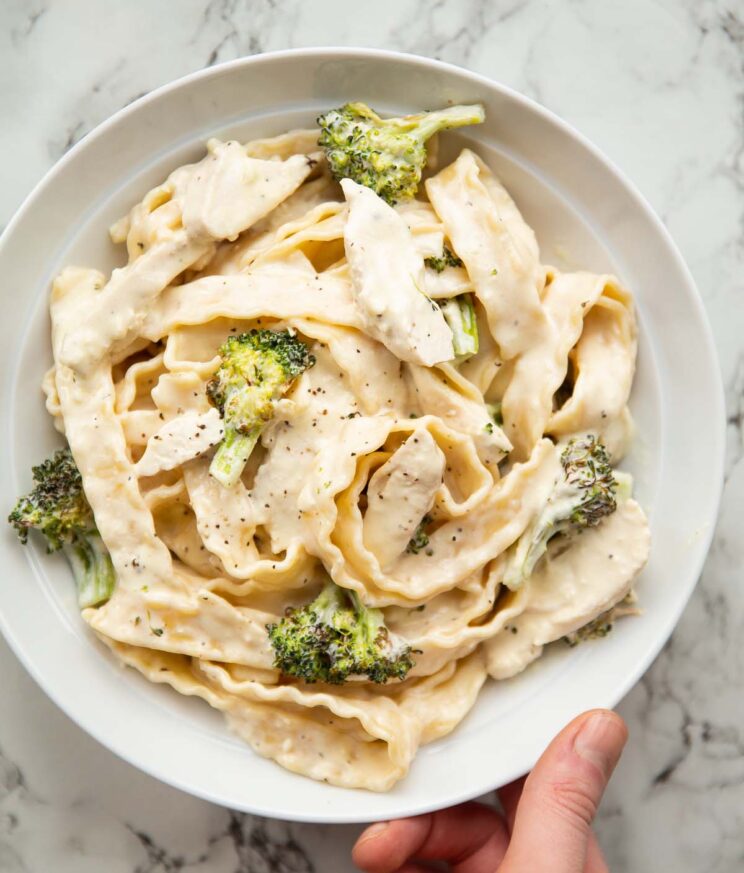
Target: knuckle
x=574, y=800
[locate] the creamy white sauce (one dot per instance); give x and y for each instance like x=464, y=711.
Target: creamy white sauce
x=436, y=393
x=498, y=249
x=216, y=199
x=399, y=495
x=572, y=586
x=179, y=440
x=388, y=277
x=367, y=442
x=321, y=409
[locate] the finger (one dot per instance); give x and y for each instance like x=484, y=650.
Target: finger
x=595, y=862
x=562, y=793
x=489, y=856
x=384, y=847
x=472, y=837
x=509, y=798
x=471, y=834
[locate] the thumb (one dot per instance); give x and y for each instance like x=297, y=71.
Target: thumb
x=562, y=793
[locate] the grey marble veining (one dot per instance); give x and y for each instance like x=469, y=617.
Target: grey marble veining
x=658, y=86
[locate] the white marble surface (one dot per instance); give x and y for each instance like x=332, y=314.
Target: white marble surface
x=659, y=86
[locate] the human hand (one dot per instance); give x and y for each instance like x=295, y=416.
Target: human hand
x=547, y=818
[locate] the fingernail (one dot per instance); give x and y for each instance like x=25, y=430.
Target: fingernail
x=600, y=740
x=372, y=832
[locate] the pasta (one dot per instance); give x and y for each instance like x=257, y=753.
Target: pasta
x=401, y=471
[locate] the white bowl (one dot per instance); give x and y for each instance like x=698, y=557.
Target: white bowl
x=581, y=208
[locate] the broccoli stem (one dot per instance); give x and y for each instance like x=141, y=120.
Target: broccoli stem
x=459, y=313
x=331, y=608
x=231, y=456
x=92, y=568
x=529, y=551
x=370, y=620
x=444, y=119
x=372, y=627
x=330, y=599
x=624, y=485
x=581, y=498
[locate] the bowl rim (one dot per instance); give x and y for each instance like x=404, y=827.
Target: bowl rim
x=718, y=436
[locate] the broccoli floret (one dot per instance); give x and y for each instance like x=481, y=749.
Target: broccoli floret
x=387, y=155
x=58, y=509
x=448, y=259
x=583, y=496
x=335, y=637
x=420, y=539
x=256, y=369
x=459, y=313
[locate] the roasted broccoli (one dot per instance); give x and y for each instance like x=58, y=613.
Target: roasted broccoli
x=582, y=497
x=420, y=538
x=459, y=313
x=256, y=369
x=57, y=508
x=387, y=155
x=448, y=259
x=335, y=637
